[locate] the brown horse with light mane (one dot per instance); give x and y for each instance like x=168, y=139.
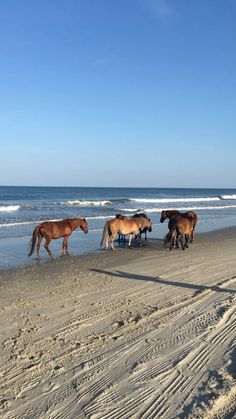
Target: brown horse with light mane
x=189, y=215
x=124, y=226
x=55, y=230
x=181, y=227
x=144, y=229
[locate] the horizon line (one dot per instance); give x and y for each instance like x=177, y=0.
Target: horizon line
x=115, y=187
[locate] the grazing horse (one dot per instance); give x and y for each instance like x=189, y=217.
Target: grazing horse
x=189, y=215
x=55, y=230
x=144, y=229
x=181, y=227
x=122, y=226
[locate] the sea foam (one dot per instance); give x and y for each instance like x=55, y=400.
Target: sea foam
x=167, y=200
x=87, y=203
x=9, y=208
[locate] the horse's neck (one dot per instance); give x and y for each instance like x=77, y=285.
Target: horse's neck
x=75, y=223
x=172, y=213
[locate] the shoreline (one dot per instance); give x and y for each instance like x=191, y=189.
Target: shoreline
x=90, y=253
x=131, y=333
x=13, y=250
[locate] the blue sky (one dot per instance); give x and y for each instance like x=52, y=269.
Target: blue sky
x=118, y=93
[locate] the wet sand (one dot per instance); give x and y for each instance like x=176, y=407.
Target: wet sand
x=141, y=333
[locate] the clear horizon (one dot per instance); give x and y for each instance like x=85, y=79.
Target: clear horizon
x=134, y=93
x=110, y=187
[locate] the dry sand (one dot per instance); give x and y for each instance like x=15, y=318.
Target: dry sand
x=142, y=333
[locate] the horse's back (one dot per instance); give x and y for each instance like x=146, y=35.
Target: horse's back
x=191, y=215
x=56, y=229
x=123, y=226
x=184, y=224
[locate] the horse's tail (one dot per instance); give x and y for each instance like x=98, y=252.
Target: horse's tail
x=195, y=221
x=105, y=232
x=33, y=240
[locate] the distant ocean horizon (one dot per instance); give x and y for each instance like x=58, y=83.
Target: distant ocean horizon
x=23, y=207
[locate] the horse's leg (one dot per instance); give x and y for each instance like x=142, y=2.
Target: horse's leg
x=173, y=238
x=108, y=237
x=107, y=240
x=176, y=241
x=46, y=244
x=139, y=237
x=186, y=240
x=182, y=241
x=119, y=239
x=64, y=246
x=145, y=234
x=112, y=238
x=67, y=251
x=40, y=237
x=192, y=235
x=130, y=239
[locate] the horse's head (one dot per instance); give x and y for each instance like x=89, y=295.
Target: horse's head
x=163, y=216
x=84, y=225
x=120, y=216
x=149, y=225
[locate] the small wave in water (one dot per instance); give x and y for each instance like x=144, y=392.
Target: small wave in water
x=228, y=197
x=154, y=210
x=167, y=200
x=9, y=208
x=21, y=223
x=87, y=203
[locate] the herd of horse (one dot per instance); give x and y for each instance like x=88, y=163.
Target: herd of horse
x=181, y=229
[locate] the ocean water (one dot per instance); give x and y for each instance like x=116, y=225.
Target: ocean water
x=22, y=208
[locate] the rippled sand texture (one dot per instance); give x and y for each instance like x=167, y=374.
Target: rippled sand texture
x=140, y=333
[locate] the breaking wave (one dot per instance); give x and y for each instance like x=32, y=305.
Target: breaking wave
x=228, y=196
x=195, y=199
x=9, y=208
x=167, y=200
x=87, y=203
x=153, y=210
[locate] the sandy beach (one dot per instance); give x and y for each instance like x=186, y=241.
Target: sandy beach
x=141, y=333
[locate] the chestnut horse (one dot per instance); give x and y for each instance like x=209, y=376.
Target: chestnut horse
x=55, y=230
x=189, y=215
x=123, y=226
x=181, y=227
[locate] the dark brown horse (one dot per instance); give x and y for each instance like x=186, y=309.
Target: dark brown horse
x=181, y=228
x=189, y=215
x=55, y=230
